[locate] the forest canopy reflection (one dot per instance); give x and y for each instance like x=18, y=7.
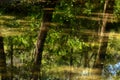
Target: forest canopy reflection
x=59, y=39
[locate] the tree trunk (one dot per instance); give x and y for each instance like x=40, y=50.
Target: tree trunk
x=3, y=70
x=86, y=62
x=71, y=63
x=85, y=52
x=108, y=9
x=47, y=16
x=11, y=56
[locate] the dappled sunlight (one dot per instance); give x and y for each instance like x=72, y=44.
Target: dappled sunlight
x=6, y=17
x=99, y=17
x=9, y=32
x=75, y=73
x=60, y=40
x=10, y=26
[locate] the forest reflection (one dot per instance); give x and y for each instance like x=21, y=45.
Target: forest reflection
x=23, y=56
x=60, y=40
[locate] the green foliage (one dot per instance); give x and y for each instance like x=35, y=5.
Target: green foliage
x=114, y=43
x=117, y=8
x=12, y=23
x=75, y=44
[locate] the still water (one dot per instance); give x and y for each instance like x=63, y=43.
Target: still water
x=56, y=63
